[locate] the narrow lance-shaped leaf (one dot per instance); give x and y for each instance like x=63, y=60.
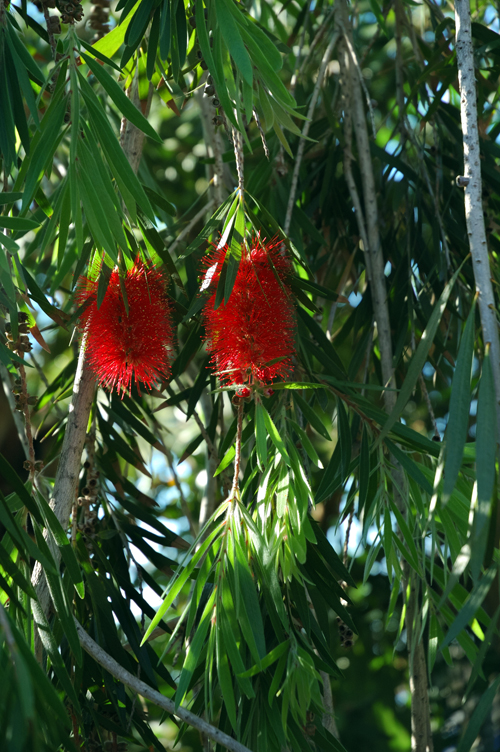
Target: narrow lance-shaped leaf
x=486, y=448
x=419, y=358
x=456, y=431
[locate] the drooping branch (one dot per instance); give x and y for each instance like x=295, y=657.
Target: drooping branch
x=473, y=190
x=135, y=684
x=375, y=265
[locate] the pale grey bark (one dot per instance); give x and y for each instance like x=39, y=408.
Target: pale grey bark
x=473, y=190
x=131, y=681
x=68, y=468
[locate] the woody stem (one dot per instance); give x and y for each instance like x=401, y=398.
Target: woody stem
x=237, y=456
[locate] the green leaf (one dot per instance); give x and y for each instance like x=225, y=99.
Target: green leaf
x=419, y=358
x=364, y=469
x=344, y=433
x=225, y=680
x=18, y=224
x=478, y=717
x=470, y=608
x=486, y=444
x=9, y=474
x=414, y=558
x=306, y=443
x=124, y=104
x=115, y=156
x=21, y=538
x=282, y=490
x=260, y=434
x=99, y=55
x=233, y=40
x=275, y=437
x=270, y=658
x=61, y=604
x=10, y=198
x=226, y=460
x=50, y=645
x=409, y=465
x=330, y=479
x=456, y=430
x=180, y=579
x=310, y=414
x=195, y=650
x=62, y=541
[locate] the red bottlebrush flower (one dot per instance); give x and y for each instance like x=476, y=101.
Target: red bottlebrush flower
x=122, y=347
x=252, y=336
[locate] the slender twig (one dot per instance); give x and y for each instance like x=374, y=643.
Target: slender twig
x=238, y=154
x=50, y=30
x=192, y=222
x=295, y=77
x=184, y=505
x=374, y=248
x=44, y=379
x=400, y=98
x=219, y=175
x=136, y=685
x=420, y=709
x=317, y=39
x=237, y=451
x=305, y=130
x=261, y=131
x=356, y=64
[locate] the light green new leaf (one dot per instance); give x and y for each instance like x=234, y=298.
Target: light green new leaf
x=111, y=42
x=226, y=460
x=275, y=437
x=470, y=607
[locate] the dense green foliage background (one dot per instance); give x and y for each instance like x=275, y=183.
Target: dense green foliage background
x=69, y=194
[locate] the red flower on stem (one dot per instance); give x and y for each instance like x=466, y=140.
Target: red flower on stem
x=251, y=336
x=122, y=346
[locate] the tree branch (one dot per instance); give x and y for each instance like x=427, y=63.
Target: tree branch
x=135, y=684
x=473, y=190
x=420, y=709
x=68, y=468
x=305, y=131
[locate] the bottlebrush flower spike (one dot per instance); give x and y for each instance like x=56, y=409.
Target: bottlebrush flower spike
x=122, y=347
x=252, y=336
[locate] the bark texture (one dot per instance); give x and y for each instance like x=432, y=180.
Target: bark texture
x=473, y=190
